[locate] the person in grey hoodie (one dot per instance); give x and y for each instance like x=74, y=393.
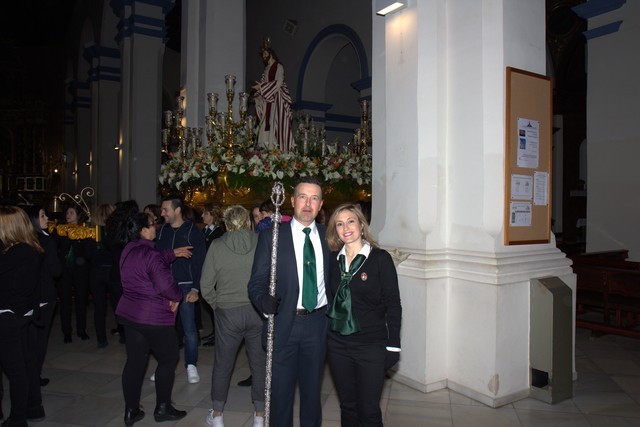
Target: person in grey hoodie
x=225, y=274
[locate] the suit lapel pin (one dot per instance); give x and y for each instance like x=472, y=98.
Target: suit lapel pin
x=364, y=277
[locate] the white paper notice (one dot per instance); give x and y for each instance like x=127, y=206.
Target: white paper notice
x=528, y=156
x=521, y=187
x=541, y=188
x=520, y=214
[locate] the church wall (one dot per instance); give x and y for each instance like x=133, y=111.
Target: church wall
x=613, y=135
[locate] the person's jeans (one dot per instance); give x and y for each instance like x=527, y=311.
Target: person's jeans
x=188, y=319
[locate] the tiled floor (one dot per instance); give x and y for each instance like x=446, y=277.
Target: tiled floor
x=85, y=390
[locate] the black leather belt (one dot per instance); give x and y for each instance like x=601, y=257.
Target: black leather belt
x=304, y=312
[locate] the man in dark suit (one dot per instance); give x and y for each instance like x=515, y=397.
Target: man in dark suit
x=300, y=333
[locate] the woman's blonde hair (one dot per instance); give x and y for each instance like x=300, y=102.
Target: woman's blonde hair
x=236, y=217
x=16, y=227
x=102, y=213
x=335, y=244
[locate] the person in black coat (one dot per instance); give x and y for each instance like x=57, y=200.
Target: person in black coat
x=75, y=278
x=364, y=336
x=20, y=262
x=51, y=269
x=101, y=263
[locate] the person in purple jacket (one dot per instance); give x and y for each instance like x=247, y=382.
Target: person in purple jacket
x=147, y=310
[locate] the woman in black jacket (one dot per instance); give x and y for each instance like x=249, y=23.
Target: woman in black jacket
x=51, y=269
x=364, y=337
x=20, y=261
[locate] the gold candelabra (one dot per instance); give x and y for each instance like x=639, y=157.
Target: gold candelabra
x=175, y=132
x=221, y=127
x=363, y=136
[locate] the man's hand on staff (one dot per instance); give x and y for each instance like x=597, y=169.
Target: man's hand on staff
x=270, y=304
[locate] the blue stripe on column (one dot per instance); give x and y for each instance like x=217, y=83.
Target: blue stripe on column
x=602, y=31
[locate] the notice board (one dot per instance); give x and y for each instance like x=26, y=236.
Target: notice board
x=527, y=216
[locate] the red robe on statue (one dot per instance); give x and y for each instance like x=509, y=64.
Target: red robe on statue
x=273, y=108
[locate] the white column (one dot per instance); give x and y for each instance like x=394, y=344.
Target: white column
x=438, y=191
x=141, y=41
x=83, y=135
x=213, y=45
x=105, y=85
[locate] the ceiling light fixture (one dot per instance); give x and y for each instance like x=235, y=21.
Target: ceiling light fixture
x=385, y=7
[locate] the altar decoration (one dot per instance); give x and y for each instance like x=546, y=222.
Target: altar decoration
x=215, y=174
x=227, y=167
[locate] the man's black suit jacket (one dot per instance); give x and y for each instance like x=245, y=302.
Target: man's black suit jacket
x=287, y=283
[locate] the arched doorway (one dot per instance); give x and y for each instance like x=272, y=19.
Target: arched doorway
x=334, y=76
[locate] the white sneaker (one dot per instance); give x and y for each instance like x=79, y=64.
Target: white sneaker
x=257, y=420
x=192, y=374
x=214, y=421
x=152, y=377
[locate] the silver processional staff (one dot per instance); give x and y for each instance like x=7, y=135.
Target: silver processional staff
x=277, y=197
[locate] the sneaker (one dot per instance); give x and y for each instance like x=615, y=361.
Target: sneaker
x=192, y=374
x=258, y=421
x=152, y=377
x=214, y=421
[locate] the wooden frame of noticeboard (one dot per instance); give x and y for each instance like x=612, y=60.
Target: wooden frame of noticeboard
x=527, y=212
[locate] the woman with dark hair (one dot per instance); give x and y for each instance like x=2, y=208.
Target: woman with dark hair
x=154, y=210
x=51, y=269
x=364, y=337
x=75, y=278
x=147, y=310
x=114, y=238
x=20, y=261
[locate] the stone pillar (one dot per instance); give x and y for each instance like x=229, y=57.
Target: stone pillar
x=68, y=156
x=141, y=43
x=105, y=83
x=83, y=135
x=213, y=45
x=438, y=191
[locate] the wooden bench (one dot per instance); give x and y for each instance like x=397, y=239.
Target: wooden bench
x=609, y=290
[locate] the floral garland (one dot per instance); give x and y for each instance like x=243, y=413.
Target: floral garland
x=259, y=167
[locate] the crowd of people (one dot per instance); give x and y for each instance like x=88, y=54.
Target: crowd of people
x=163, y=267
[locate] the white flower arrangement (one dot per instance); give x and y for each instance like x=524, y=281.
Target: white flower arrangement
x=247, y=167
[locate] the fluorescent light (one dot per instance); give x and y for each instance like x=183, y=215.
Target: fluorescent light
x=389, y=7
